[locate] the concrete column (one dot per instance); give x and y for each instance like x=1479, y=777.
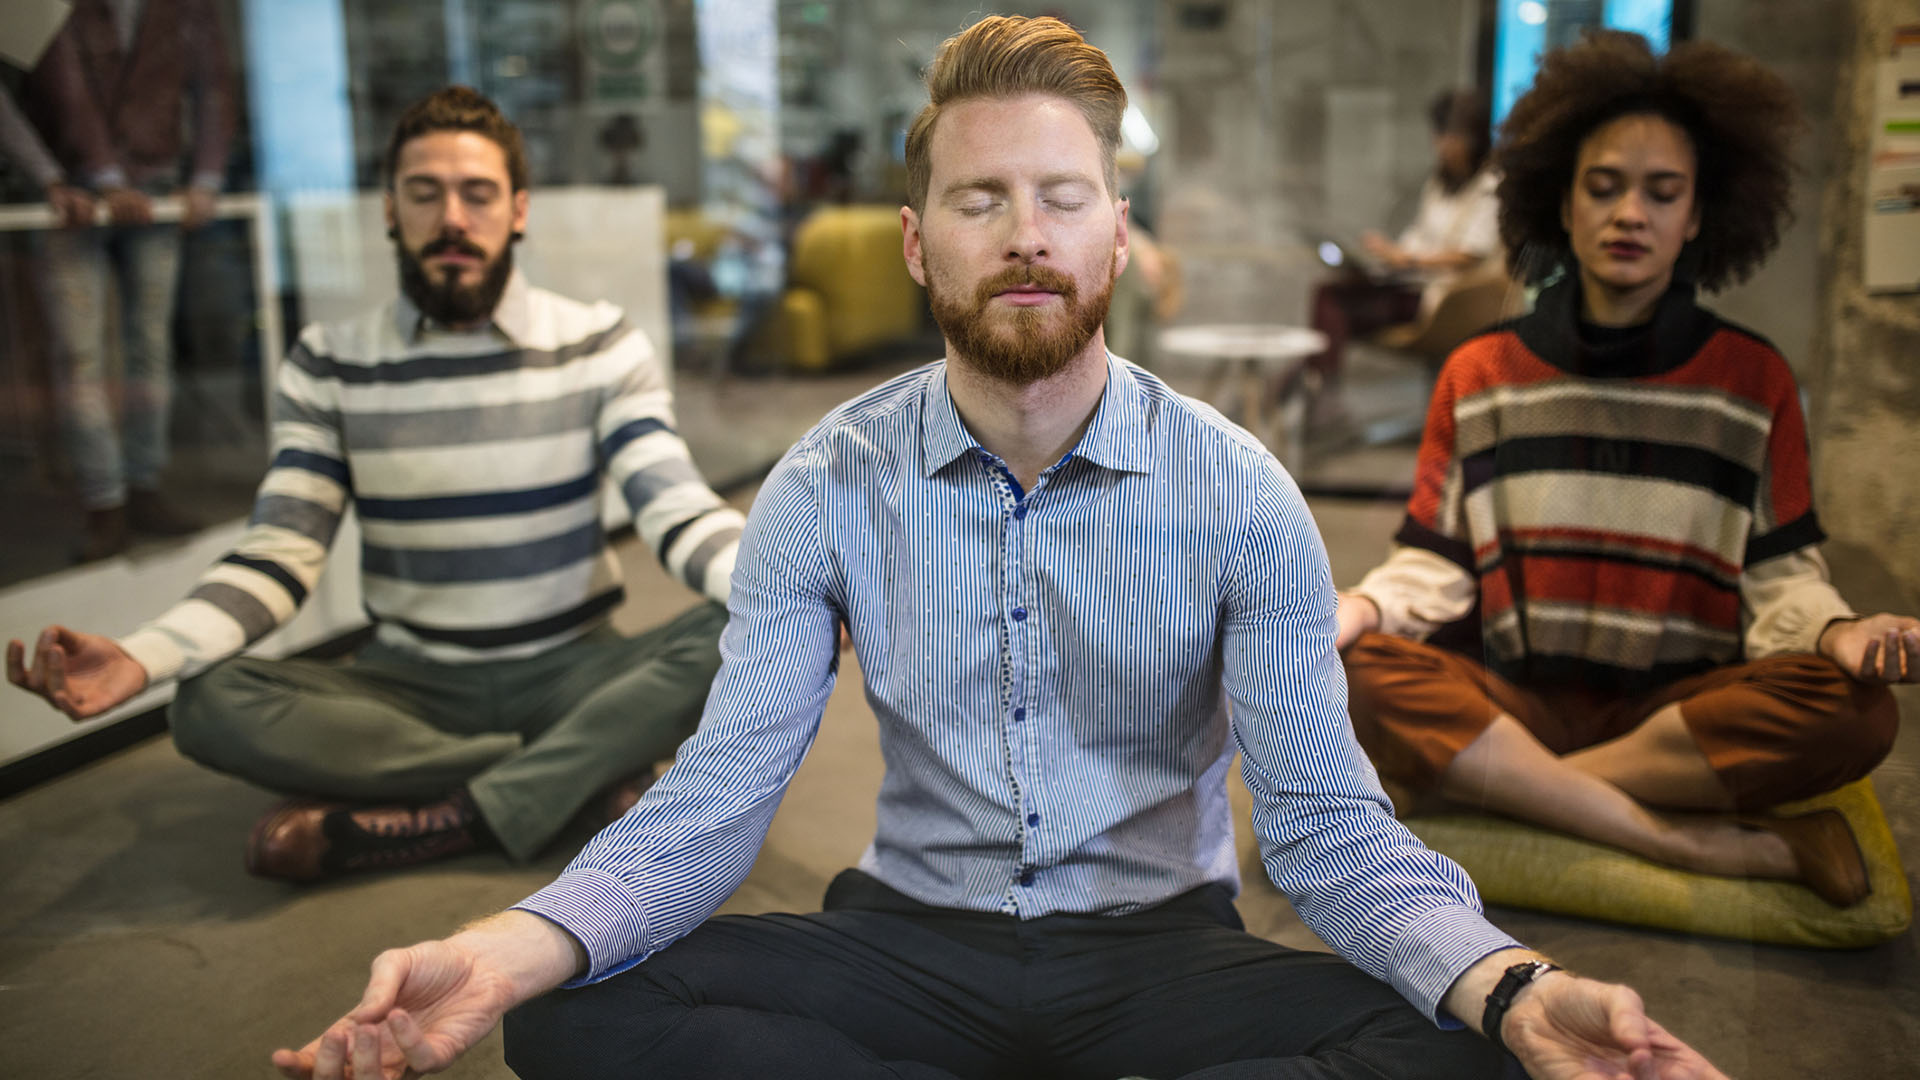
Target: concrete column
x=1866, y=416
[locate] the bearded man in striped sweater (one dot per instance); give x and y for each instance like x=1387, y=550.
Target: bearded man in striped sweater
x=472, y=423
x=1608, y=613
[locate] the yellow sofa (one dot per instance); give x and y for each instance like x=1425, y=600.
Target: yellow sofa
x=848, y=289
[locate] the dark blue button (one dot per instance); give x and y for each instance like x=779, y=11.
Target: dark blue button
x=1026, y=876
x=1033, y=819
x=1019, y=715
x=1019, y=614
x=1019, y=512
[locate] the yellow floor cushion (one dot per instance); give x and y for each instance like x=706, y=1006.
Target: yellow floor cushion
x=1522, y=866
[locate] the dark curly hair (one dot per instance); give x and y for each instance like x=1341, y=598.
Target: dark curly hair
x=1740, y=117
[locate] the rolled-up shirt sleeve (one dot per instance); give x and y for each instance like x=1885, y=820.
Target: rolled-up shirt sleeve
x=654, y=875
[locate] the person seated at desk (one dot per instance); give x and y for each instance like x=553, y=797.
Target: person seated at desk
x=1617, y=488
x=472, y=422
x=1056, y=574
x=1454, y=230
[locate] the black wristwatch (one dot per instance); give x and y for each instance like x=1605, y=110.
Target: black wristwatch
x=1510, y=984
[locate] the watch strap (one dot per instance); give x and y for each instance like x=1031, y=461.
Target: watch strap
x=1516, y=979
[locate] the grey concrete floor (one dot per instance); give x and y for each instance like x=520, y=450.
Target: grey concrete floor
x=132, y=944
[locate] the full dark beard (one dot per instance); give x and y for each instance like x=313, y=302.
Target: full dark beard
x=1020, y=346
x=450, y=302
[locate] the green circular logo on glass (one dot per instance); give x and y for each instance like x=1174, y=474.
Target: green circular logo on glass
x=619, y=32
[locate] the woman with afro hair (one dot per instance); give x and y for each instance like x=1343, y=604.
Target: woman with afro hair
x=1606, y=612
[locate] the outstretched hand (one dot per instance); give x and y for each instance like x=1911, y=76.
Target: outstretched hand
x=82, y=675
x=1564, y=1027
x=426, y=1005
x=1878, y=648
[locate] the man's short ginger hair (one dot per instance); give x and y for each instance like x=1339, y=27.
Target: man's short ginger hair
x=459, y=108
x=1004, y=56
x=1740, y=118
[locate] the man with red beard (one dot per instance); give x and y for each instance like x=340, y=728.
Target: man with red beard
x=1057, y=575
x=471, y=422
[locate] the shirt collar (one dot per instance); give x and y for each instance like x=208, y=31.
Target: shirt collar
x=512, y=316
x=1116, y=438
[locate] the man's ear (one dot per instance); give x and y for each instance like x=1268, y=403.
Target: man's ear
x=386, y=207
x=910, y=244
x=1120, y=240
x=520, y=211
x=1693, y=222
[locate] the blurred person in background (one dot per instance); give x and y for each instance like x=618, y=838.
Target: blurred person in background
x=471, y=422
x=1056, y=574
x=135, y=100
x=72, y=205
x=1606, y=612
x=1454, y=229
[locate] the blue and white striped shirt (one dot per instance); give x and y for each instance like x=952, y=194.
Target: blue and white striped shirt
x=1061, y=677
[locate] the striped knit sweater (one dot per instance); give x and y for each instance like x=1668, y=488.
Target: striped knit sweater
x=1607, y=495
x=475, y=462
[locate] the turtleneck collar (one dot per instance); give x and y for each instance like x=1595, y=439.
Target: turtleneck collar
x=1555, y=333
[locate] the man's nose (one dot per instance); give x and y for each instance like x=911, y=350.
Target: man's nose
x=453, y=213
x=1028, y=240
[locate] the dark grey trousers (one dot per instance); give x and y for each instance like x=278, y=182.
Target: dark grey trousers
x=532, y=740
x=879, y=986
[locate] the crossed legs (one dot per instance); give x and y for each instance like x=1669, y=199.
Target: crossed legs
x=880, y=987
x=1655, y=775
x=523, y=743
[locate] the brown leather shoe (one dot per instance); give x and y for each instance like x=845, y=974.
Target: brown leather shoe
x=1825, y=851
x=287, y=841
x=307, y=839
x=151, y=515
x=106, y=535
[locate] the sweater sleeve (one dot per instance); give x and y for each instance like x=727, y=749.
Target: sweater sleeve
x=1418, y=592
x=23, y=145
x=693, y=532
x=1787, y=603
x=213, y=85
x=261, y=583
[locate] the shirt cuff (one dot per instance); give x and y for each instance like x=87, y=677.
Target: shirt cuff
x=155, y=650
x=599, y=910
x=1436, y=949
x=113, y=176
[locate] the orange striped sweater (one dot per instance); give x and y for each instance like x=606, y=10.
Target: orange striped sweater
x=1607, y=488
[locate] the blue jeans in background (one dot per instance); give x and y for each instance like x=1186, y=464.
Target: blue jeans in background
x=115, y=444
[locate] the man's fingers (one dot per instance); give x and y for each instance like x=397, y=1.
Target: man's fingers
x=366, y=1053
x=330, y=1060
x=412, y=1042
x=55, y=660
x=17, y=663
x=1912, y=641
x=383, y=986
x=295, y=1064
